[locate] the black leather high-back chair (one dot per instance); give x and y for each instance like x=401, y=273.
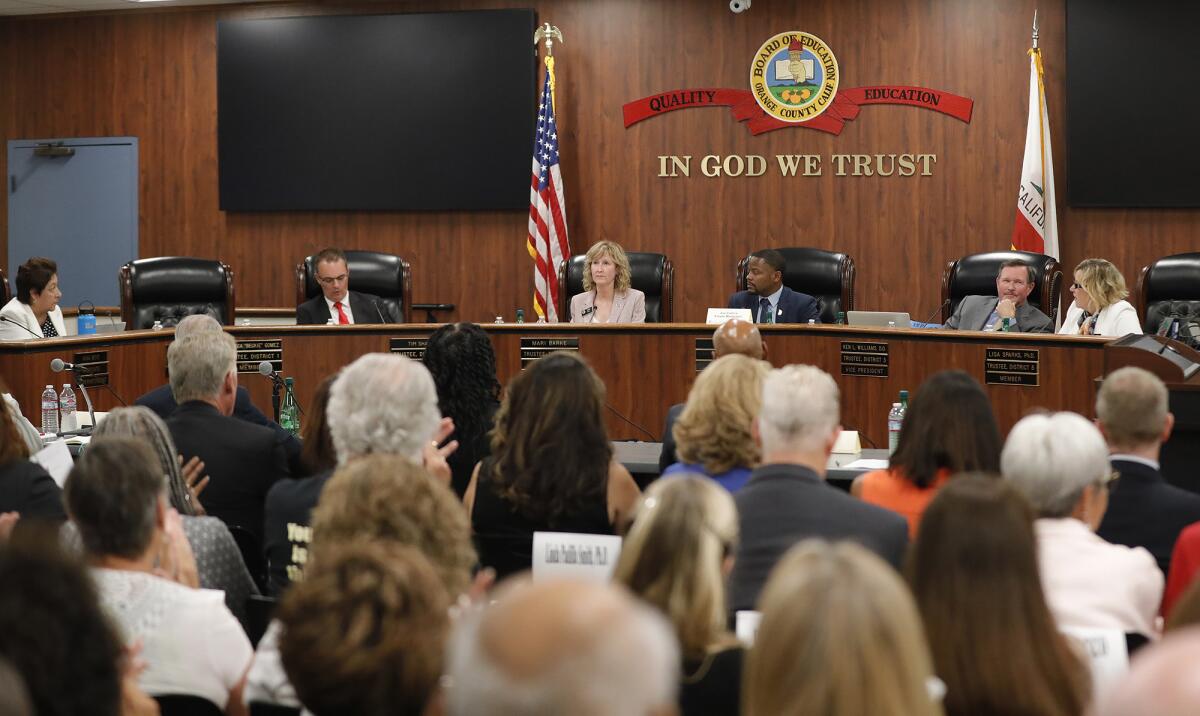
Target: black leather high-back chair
x=652, y=274
x=975, y=275
x=170, y=287
x=385, y=275
x=8, y=294
x=827, y=276
x=1169, y=285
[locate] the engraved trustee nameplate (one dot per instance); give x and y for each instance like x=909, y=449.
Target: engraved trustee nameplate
x=252, y=352
x=409, y=347
x=1008, y=366
x=93, y=368
x=864, y=358
x=534, y=348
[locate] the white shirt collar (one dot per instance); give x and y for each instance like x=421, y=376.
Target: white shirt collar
x=345, y=307
x=1136, y=458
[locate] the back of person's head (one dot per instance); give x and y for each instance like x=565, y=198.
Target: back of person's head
x=974, y=574
x=144, y=425
x=112, y=496
x=800, y=409
x=674, y=556
x=198, y=364
x=1132, y=408
x=839, y=635
x=1161, y=680
x=317, y=453
x=12, y=445
x=196, y=324
x=364, y=632
x=54, y=633
x=386, y=498
x=33, y=275
x=550, y=448
x=949, y=425
x=738, y=336
x=1052, y=458
x=462, y=362
x=562, y=648
x=382, y=403
x=714, y=428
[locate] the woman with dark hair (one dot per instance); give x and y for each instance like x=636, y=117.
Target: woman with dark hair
x=949, y=429
x=974, y=573
x=34, y=311
x=551, y=466
x=318, y=455
x=462, y=362
x=25, y=486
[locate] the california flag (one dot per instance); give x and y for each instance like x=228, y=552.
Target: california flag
x=1036, y=225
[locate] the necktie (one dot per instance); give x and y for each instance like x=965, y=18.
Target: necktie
x=342, y=319
x=764, y=311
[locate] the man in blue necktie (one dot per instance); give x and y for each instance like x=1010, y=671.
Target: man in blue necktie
x=766, y=296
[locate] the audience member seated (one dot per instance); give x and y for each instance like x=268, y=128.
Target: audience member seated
x=839, y=636
x=677, y=557
x=289, y=502
x=563, y=648
x=974, y=574
x=145, y=573
x=1060, y=463
x=462, y=362
x=787, y=498
x=607, y=295
x=987, y=313
x=949, y=429
x=162, y=401
x=551, y=467
x=1185, y=567
x=60, y=642
x=1143, y=510
x=382, y=499
x=34, y=312
x=734, y=336
x=337, y=301
x=713, y=433
x=242, y=460
x=1161, y=681
x=767, y=298
x=1099, y=308
x=364, y=633
x=25, y=486
x=218, y=561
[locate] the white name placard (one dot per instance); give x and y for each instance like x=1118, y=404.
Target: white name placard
x=570, y=555
x=720, y=315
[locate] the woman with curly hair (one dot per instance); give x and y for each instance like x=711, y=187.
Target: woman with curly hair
x=1099, y=308
x=712, y=435
x=551, y=467
x=462, y=362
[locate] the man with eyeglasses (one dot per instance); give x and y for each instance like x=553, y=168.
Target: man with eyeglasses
x=1009, y=307
x=337, y=304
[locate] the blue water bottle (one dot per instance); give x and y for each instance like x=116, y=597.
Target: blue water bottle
x=85, y=323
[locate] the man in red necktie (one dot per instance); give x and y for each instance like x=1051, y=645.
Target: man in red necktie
x=337, y=303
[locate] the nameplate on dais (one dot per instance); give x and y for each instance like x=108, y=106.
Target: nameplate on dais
x=1011, y=366
x=533, y=348
x=864, y=358
x=256, y=350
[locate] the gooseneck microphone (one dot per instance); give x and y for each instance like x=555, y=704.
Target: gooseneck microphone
x=937, y=310
x=380, y=312
x=24, y=327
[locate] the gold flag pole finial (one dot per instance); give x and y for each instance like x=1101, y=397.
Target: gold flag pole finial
x=1035, y=29
x=549, y=33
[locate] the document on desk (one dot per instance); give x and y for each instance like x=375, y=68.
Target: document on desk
x=56, y=458
x=866, y=464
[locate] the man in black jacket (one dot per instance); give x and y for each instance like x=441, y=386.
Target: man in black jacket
x=787, y=499
x=1143, y=510
x=337, y=301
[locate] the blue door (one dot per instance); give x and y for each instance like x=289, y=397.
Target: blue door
x=77, y=204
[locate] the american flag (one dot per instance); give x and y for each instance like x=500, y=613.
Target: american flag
x=547, y=240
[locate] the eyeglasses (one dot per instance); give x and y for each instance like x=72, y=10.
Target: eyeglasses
x=331, y=280
x=1076, y=286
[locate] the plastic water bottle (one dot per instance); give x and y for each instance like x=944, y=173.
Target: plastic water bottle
x=1006, y=325
x=904, y=402
x=49, y=410
x=66, y=405
x=895, y=420
x=520, y=315
x=289, y=414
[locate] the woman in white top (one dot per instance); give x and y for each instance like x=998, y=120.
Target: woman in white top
x=1099, y=308
x=607, y=296
x=34, y=311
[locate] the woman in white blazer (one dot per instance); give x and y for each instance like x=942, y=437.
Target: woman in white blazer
x=34, y=311
x=1099, y=308
x=607, y=296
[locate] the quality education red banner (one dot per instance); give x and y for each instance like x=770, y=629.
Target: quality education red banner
x=845, y=105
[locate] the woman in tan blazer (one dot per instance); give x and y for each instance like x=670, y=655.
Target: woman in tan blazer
x=607, y=296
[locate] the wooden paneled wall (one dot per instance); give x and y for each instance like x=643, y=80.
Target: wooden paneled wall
x=152, y=74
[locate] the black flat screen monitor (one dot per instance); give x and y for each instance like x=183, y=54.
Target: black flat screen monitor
x=377, y=112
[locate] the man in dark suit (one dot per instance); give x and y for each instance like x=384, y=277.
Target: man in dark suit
x=337, y=301
x=787, y=499
x=242, y=460
x=987, y=313
x=1143, y=510
x=732, y=336
x=766, y=296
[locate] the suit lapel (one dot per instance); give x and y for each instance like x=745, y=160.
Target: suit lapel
x=618, y=302
x=785, y=305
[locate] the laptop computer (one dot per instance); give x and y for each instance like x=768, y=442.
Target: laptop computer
x=110, y=327
x=878, y=319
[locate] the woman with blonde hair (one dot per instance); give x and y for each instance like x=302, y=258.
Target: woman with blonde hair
x=677, y=556
x=839, y=635
x=1099, y=308
x=607, y=296
x=712, y=434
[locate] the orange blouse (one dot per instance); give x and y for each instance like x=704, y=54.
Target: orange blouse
x=891, y=490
